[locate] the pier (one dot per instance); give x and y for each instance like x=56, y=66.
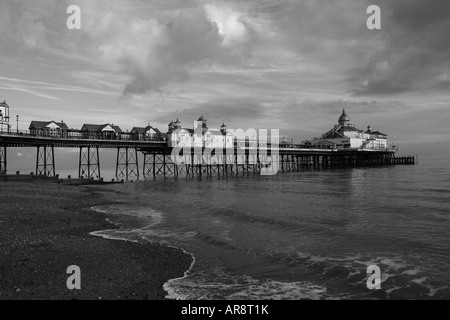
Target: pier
x=196, y=152
x=196, y=162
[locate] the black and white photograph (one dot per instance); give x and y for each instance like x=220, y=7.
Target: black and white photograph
x=222, y=155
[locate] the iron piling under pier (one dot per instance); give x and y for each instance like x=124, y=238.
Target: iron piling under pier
x=45, y=161
x=209, y=164
x=89, y=163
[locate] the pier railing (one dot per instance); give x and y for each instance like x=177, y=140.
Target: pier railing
x=124, y=136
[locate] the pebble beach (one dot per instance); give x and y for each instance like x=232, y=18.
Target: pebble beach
x=44, y=229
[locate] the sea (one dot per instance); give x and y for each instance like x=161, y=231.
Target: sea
x=299, y=235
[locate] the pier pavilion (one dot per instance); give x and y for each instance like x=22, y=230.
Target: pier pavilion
x=345, y=135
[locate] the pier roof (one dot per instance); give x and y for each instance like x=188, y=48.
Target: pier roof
x=344, y=116
x=99, y=127
x=43, y=124
x=377, y=133
x=143, y=130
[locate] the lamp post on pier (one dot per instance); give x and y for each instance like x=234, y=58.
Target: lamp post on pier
x=17, y=121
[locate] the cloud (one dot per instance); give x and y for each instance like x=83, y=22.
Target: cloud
x=358, y=106
x=198, y=37
x=32, y=92
x=294, y=117
x=229, y=23
x=163, y=47
x=180, y=43
x=154, y=51
x=407, y=54
x=27, y=85
x=414, y=52
x=235, y=111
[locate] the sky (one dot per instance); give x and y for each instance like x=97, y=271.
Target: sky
x=291, y=65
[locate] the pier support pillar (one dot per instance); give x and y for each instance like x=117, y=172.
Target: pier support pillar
x=89, y=163
x=127, y=163
x=45, y=161
x=149, y=164
x=206, y=164
x=181, y=166
x=159, y=163
x=3, y=159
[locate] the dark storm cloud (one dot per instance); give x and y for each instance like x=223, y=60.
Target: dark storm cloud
x=415, y=53
x=410, y=52
x=417, y=14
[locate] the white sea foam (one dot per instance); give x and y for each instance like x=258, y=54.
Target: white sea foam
x=395, y=264
x=217, y=285
x=170, y=286
x=153, y=217
x=113, y=234
x=146, y=216
x=400, y=272
x=419, y=281
x=411, y=272
x=392, y=289
x=433, y=291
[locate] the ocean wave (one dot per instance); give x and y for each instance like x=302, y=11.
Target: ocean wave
x=217, y=284
x=401, y=277
x=150, y=216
